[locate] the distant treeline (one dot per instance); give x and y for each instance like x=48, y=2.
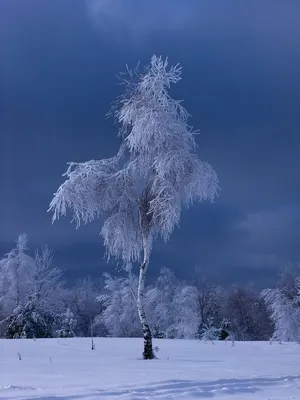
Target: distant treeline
x=34, y=303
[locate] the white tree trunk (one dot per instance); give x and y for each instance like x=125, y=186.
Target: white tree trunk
x=148, y=351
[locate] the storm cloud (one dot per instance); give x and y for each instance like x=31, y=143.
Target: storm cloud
x=241, y=61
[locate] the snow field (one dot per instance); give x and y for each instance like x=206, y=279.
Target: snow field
x=67, y=369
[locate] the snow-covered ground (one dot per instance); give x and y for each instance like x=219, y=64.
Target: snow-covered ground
x=68, y=369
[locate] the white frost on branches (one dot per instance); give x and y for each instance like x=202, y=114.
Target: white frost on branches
x=119, y=300
x=31, y=292
x=141, y=191
x=285, y=312
x=16, y=275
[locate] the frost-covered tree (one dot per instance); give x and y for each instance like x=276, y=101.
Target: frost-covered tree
x=186, y=320
x=16, y=276
x=208, y=299
x=249, y=319
x=284, y=305
x=119, y=300
x=181, y=310
x=47, y=283
x=30, y=287
x=172, y=306
x=240, y=312
x=288, y=282
x=84, y=304
x=67, y=325
x=141, y=192
x=160, y=300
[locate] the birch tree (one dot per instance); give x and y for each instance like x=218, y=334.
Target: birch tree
x=140, y=193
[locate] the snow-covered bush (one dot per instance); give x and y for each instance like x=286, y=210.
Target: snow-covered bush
x=209, y=331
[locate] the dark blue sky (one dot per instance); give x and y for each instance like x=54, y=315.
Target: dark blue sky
x=241, y=61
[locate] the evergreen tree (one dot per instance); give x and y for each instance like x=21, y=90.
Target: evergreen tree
x=68, y=324
x=29, y=322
